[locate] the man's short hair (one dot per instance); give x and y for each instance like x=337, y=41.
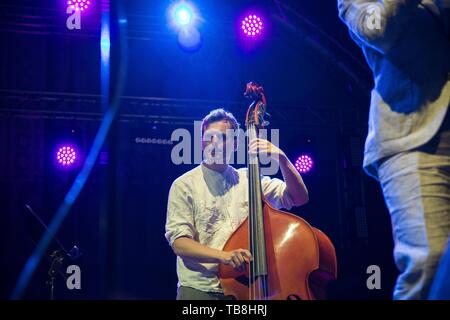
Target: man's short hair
x=219, y=115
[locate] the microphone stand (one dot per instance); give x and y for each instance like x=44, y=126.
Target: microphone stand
x=58, y=256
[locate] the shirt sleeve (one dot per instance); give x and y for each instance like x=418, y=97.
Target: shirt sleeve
x=180, y=217
x=377, y=23
x=275, y=191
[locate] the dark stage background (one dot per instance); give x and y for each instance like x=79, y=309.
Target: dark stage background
x=318, y=89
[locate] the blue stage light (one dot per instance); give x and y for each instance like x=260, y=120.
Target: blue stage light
x=183, y=14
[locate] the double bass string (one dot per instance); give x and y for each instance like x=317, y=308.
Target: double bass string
x=252, y=218
x=258, y=288
x=252, y=292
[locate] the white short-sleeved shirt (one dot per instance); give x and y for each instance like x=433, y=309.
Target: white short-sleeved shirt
x=208, y=207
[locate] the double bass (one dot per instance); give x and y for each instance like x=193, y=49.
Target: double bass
x=291, y=260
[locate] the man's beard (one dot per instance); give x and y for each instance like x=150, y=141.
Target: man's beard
x=214, y=157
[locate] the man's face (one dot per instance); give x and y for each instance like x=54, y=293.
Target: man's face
x=216, y=141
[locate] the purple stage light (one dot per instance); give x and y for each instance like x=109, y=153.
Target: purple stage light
x=79, y=4
x=66, y=156
x=252, y=25
x=304, y=163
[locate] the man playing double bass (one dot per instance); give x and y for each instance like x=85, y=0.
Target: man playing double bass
x=208, y=203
